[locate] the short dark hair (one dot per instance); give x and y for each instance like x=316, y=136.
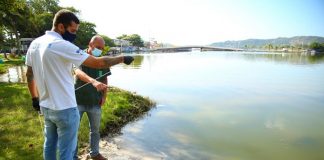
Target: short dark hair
x=65, y=17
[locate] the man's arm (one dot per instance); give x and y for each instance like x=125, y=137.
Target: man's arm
x=85, y=78
x=106, y=62
x=31, y=82
x=32, y=88
x=104, y=92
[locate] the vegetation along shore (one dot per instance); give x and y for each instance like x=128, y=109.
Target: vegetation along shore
x=21, y=132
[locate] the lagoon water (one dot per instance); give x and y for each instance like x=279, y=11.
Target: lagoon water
x=221, y=105
x=225, y=105
x=15, y=74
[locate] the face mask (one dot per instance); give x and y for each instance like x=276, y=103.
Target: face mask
x=96, y=52
x=68, y=36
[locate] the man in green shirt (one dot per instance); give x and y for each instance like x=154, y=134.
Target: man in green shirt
x=88, y=98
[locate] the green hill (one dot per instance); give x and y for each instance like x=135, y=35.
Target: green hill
x=281, y=41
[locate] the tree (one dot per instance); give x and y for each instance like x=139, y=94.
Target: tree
x=105, y=50
x=41, y=22
x=2, y=37
x=317, y=46
x=43, y=12
x=270, y=46
x=3, y=47
x=27, y=19
x=85, y=33
x=12, y=17
x=122, y=36
x=134, y=39
x=44, y=6
x=31, y=18
x=108, y=41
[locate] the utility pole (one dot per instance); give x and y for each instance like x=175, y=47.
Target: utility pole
x=121, y=46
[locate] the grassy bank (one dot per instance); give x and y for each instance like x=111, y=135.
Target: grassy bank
x=11, y=61
x=21, y=134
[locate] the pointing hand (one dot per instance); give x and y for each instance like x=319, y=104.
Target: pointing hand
x=128, y=60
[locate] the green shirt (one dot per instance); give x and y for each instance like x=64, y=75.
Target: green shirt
x=88, y=95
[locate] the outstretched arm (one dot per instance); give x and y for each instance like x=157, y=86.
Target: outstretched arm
x=106, y=62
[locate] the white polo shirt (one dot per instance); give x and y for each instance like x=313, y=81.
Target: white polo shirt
x=51, y=58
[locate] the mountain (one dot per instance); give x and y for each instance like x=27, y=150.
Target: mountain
x=281, y=41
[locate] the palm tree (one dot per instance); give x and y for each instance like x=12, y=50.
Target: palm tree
x=270, y=46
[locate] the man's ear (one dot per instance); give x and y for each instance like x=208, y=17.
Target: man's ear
x=91, y=45
x=61, y=28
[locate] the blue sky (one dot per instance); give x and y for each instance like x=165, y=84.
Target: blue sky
x=186, y=22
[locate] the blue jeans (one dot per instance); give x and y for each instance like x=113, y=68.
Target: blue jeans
x=94, y=115
x=61, y=127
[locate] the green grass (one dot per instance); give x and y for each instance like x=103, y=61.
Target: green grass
x=11, y=61
x=21, y=134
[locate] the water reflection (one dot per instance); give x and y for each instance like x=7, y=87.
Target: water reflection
x=16, y=74
x=227, y=105
x=224, y=105
x=291, y=58
x=137, y=63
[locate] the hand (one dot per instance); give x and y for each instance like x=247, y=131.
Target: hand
x=36, y=103
x=128, y=60
x=102, y=101
x=99, y=86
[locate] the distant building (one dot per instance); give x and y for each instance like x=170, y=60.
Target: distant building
x=123, y=45
x=285, y=49
x=153, y=44
x=121, y=42
x=25, y=43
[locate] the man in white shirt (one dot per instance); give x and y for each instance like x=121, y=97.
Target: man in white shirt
x=51, y=85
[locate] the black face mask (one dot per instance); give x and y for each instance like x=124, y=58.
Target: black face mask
x=68, y=36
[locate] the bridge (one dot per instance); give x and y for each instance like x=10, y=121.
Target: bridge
x=193, y=48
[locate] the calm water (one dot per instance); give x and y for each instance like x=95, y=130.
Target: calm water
x=226, y=105
x=223, y=105
x=15, y=74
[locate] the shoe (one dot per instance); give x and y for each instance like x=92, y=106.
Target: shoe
x=99, y=157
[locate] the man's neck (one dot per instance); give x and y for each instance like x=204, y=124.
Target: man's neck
x=55, y=30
